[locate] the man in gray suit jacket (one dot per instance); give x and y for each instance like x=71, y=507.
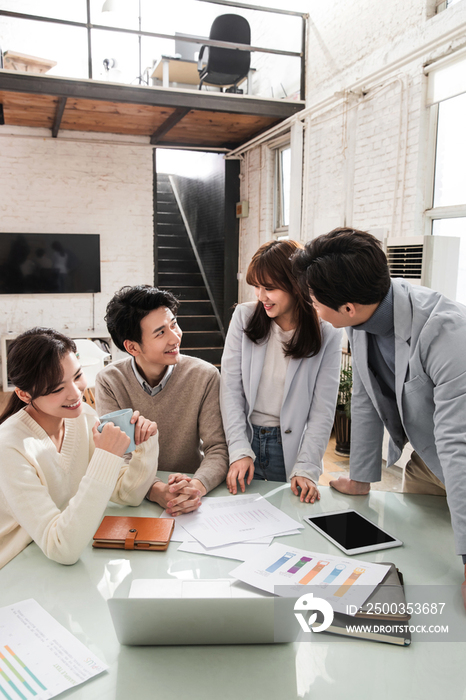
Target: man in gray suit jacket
x=409, y=368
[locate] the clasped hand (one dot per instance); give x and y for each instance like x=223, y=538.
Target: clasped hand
x=181, y=494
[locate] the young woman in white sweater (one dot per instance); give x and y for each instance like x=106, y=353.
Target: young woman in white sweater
x=57, y=472
x=279, y=381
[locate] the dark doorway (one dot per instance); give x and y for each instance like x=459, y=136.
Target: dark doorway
x=196, y=243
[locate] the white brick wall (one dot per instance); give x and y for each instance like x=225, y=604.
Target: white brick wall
x=257, y=228
x=276, y=76
x=57, y=186
x=324, y=150
x=366, y=137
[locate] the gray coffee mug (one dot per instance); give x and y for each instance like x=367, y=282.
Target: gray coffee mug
x=123, y=420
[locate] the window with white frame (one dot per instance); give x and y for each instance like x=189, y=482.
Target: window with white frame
x=282, y=190
x=444, y=4
x=447, y=215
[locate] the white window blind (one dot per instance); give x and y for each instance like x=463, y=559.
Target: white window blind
x=446, y=78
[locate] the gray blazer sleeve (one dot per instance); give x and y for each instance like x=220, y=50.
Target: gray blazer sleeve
x=442, y=355
x=233, y=402
x=322, y=410
x=366, y=434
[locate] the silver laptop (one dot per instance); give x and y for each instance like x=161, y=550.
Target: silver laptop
x=187, y=50
x=203, y=611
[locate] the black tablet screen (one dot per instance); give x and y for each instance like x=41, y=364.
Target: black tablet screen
x=351, y=530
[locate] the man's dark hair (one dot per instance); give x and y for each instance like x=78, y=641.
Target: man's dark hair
x=129, y=306
x=343, y=266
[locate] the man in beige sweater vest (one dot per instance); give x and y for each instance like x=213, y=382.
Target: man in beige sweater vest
x=179, y=393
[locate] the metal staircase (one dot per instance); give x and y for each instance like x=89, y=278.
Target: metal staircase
x=179, y=272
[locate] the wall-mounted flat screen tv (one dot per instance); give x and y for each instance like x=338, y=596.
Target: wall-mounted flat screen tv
x=49, y=263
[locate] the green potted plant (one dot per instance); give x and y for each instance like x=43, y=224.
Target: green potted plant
x=342, y=425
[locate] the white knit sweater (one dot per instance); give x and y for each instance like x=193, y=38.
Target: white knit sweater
x=56, y=498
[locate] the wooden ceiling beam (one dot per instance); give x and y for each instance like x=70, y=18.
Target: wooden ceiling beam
x=58, y=116
x=168, y=124
x=194, y=145
x=154, y=96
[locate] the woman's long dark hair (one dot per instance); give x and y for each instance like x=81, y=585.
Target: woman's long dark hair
x=34, y=365
x=271, y=266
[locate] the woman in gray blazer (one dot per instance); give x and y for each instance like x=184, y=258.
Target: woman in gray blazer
x=279, y=382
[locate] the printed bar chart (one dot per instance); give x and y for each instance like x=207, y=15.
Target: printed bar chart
x=9, y=669
x=313, y=572
x=299, y=565
x=25, y=667
x=344, y=588
x=285, y=571
x=333, y=575
x=277, y=564
x=39, y=658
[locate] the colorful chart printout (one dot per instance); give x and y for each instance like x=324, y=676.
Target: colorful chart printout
x=38, y=657
x=286, y=571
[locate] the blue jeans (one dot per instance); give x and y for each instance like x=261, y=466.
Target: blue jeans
x=269, y=464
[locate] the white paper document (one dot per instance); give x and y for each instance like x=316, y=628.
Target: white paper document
x=239, y=550
x=181, y=535
x=221, y=521
x=38, y=657
x=342, y=581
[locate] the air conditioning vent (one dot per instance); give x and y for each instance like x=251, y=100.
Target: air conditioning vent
x=428, y=260
x=405, y=261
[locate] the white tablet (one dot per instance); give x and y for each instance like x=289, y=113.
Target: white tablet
x=352, y=532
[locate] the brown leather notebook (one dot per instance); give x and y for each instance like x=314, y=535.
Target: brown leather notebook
x=120, y=532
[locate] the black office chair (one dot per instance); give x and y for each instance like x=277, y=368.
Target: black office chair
x=225, y=67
